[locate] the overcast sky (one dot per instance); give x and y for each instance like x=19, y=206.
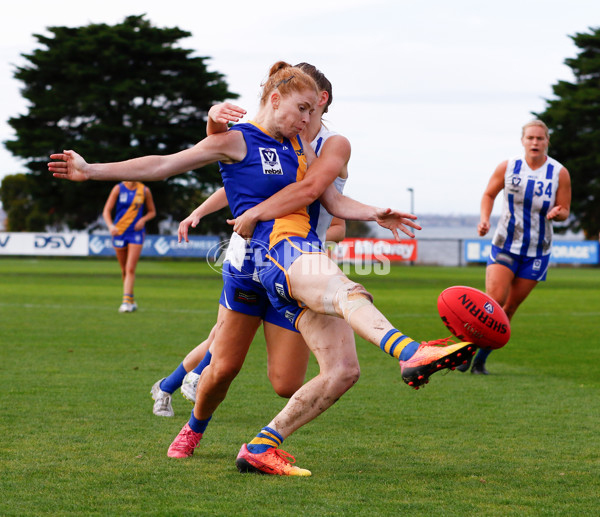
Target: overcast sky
x=431, y=94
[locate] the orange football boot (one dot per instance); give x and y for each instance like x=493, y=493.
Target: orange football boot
x=273, y=461
x=433, y=356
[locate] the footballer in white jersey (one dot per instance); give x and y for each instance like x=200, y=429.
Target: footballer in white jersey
x=529, y=195
x=537, y=191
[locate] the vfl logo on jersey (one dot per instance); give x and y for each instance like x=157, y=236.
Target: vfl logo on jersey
x=270, y=161
x=488, y=307
x=515, y=181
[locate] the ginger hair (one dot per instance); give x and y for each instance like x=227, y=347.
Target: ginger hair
x=287, y=80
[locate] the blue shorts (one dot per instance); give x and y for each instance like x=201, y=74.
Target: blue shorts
x=130, y=237
x=241, y=293
x=272, y=272
x=530, y=268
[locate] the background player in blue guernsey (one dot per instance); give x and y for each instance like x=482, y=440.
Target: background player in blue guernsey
x=537, y=191
x=128, y=198
x=258, y=159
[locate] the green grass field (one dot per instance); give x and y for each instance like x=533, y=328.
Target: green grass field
x=78, y=436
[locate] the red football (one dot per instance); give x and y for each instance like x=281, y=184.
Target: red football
x=472, y=315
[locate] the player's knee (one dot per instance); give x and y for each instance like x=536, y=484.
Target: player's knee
x=350, y=297
x=286, y=389
x=223, y=373
x=346, y=377
x=352, y=375
x=285, y=385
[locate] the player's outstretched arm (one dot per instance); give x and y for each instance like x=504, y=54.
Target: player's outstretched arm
x=229, y=147
x=347, y=208
x=214, y=202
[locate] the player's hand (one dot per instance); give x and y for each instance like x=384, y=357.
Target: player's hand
x=394, y=221
x=113, y=230
x=191, y=220
x=226, y=112
x=70, y=167
x=554, y=212
x=244, y=224
x=139, y=226
x=483, y=227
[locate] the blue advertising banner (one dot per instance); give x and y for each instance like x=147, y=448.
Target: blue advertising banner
x=563, y=252
x=158, y=246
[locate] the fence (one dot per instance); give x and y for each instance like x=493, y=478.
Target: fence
x=426, y=251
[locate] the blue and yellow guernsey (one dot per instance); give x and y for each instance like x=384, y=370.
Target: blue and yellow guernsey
x=129, y=207
x=269, y=166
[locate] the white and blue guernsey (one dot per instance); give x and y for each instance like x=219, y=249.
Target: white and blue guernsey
x=528, y=196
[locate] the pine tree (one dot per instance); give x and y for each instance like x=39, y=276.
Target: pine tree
x=573, y=118
x=113, y=93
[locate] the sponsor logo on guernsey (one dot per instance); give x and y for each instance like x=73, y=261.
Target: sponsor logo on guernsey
x=270, y=161
x=281, y=291
x=485, y=319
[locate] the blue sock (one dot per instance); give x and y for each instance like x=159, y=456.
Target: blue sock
x=204, y=363
x=265, y=440
x=482, y=355
x=173, y=381
x=198, y=426
x=398, y=345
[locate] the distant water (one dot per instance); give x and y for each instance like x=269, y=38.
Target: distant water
x=441, y=241
x=457, y=227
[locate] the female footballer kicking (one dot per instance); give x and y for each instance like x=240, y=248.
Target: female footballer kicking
x=258, y=160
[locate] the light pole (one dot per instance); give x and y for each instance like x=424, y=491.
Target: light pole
x=412, y=208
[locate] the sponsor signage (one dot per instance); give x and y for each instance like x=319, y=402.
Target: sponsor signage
x=57, y=244
x=159, y=246
x=83, y=244
x=350, y=250
x=563, y=252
